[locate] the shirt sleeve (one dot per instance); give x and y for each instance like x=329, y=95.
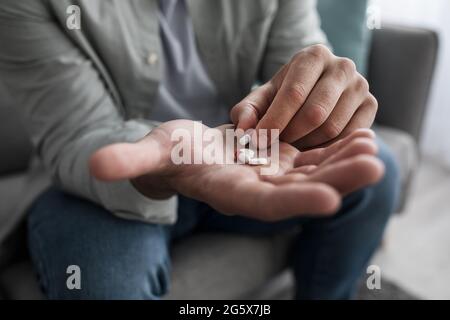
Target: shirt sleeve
x=68, y=110
x=296, y=26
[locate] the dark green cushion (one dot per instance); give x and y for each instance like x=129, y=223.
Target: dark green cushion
x=344, y=22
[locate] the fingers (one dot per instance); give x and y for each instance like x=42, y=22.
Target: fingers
x=364, y=116
x=304, y=169
x=265, y=201
x=356, y=147
x=350, y=174
x=286, y=157
x=126, y=160
x=303, y=73
x=294, y=176
x=349, y=102
x=323, y=102
x=345, y=176
x=317, y=156
x=246, y=114
x=313, y=100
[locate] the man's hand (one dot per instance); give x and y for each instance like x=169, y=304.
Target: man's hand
x=314, y=99
x=309, y=183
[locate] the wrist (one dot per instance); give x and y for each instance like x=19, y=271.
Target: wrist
x=153, y=187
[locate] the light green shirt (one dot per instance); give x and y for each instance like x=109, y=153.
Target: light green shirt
x=82, y=89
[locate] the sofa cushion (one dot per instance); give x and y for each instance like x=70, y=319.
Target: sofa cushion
x=225, y=266
x=405, y=151
x=18, y=282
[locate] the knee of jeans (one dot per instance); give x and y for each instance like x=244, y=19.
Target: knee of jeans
x=145, y=282
x=117, y=259
x=143, y=276
x=388, y=188
x=154, y=280
x=376, y=202
x=149, y=281
x=381, y=198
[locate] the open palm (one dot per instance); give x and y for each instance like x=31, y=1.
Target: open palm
x=307, y=183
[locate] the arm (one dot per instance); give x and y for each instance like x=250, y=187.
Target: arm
x=295, y=27
x=75, y=126
x=315, y=97
x=69, y=111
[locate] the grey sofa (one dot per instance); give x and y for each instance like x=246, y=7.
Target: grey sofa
x=224, y=266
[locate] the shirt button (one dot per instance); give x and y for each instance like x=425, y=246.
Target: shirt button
x=152, y=58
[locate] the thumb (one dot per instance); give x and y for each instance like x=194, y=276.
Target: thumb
x=126, y=160
x=246, y=114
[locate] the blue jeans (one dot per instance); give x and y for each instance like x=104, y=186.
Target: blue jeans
x=121, y=259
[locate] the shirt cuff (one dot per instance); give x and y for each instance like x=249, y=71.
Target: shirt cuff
x=125, y=201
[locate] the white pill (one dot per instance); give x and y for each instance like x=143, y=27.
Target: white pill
x=249, y=152
x=258, y=161
x=243, y=158
x=245, y=140
x=245, y=155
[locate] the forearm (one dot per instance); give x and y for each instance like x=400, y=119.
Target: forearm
x=120, y=197
x=295, y=27
x=68, y=109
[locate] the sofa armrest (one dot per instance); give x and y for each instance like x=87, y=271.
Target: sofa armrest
x=401, y=67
